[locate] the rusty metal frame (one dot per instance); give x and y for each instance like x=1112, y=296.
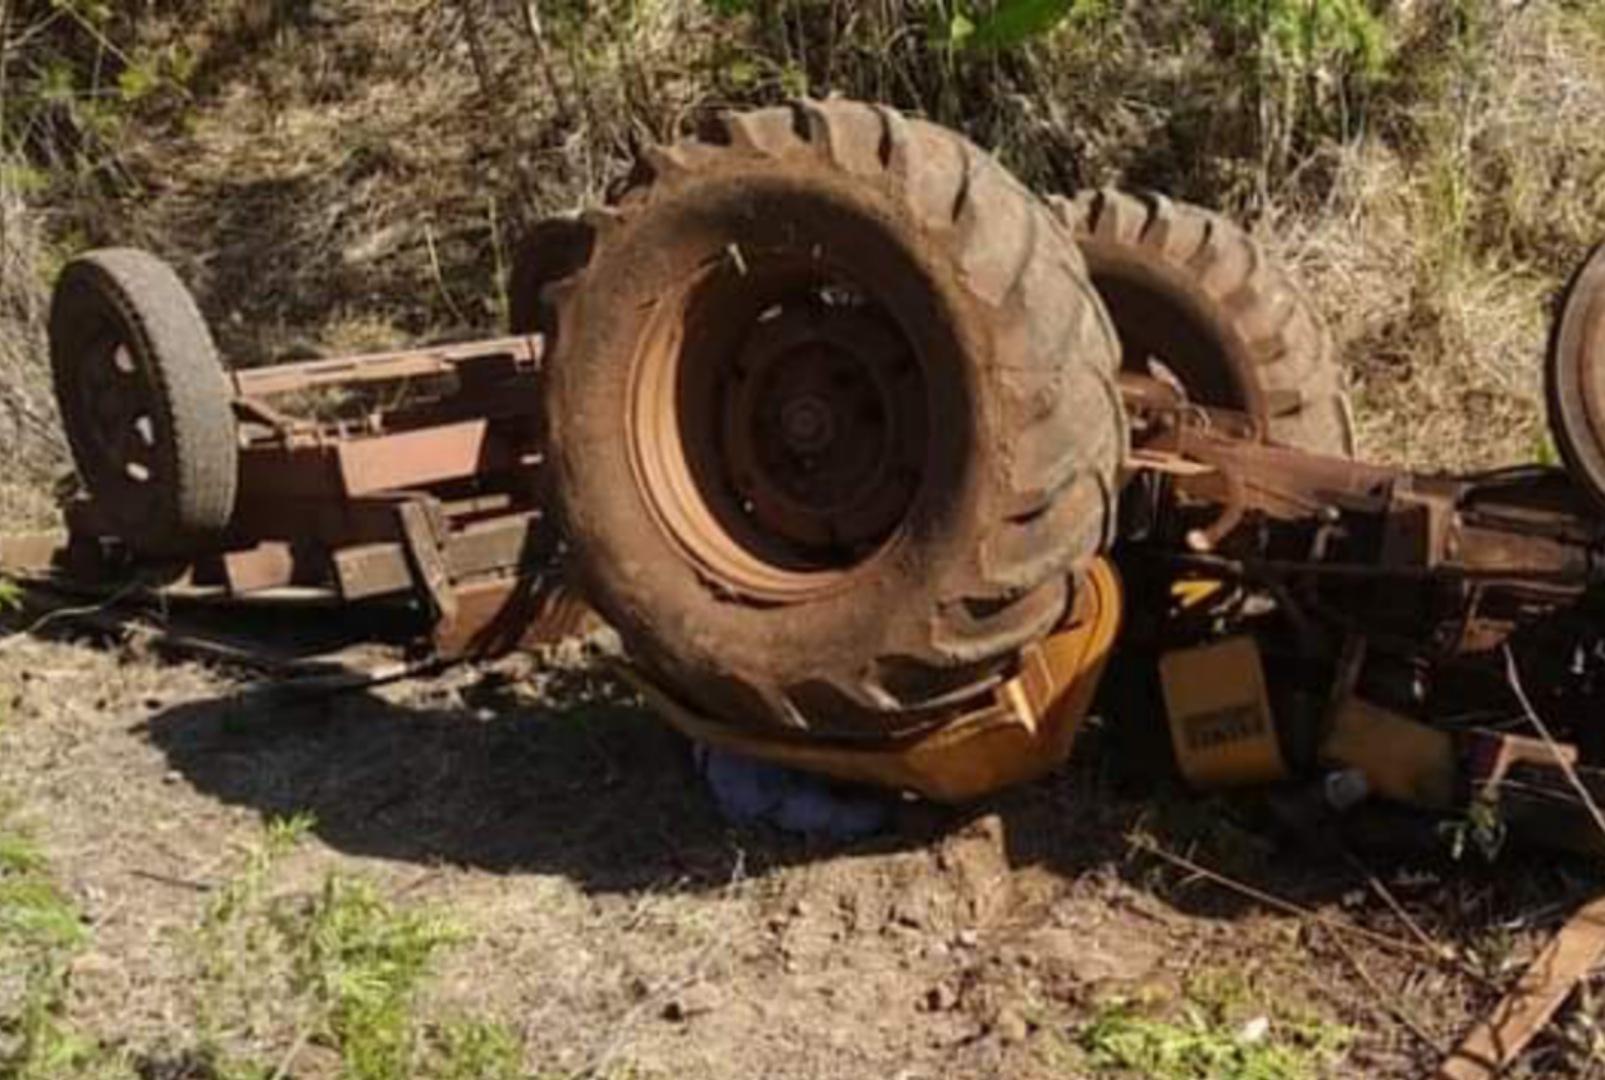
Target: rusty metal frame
x=418, y=480
x=431, y=492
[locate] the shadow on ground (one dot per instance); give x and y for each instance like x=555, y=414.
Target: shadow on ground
x=591, y=787
x=586, y=785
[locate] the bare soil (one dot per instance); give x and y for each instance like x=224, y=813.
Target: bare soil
x=620, y=927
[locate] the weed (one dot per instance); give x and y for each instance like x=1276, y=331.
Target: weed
x=1204, y=1043
x=40, y=931
x=1012, y=23
x=360, y=963
x=34, y=916
x=341, y=967
x=1224, y=1029
x=234, y=950
x=476, y=1050
x=243, y=891
x=1482, y=829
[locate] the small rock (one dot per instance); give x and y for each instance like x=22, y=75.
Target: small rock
x=968, y=938
x=92, y=964
x=1011, y=1027
x=1254, y=1031
x=693, y=1002
x=375, y=245
x=940, y=998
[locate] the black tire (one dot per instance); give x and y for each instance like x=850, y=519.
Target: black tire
x=134, y=365
x=1189, y=289
x=985, y=290
x=550, y=250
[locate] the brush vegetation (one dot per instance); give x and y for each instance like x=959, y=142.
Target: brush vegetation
x=335, y=174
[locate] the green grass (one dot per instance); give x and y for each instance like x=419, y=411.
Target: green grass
x=1221, y=1031
x=40, y=931
x=476, y=1050
x=342, y=968
x=275, y=973
x=359, y=963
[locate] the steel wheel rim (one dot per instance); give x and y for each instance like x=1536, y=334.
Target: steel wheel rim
x=1576, y=376
x=118, y=398
x=778, y=428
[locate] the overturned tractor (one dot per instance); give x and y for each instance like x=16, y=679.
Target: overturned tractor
x=875, y=460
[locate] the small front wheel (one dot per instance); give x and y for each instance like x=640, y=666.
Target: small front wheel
x=144, y=399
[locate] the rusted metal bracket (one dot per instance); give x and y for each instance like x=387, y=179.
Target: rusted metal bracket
x=522, y=352
x=423, y=533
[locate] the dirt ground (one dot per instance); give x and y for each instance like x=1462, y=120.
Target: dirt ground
x=347, y=179
x=618, y=927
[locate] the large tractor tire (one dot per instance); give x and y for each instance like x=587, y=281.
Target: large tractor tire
x=832, y=419
x=145, y=400
x=550, y=250
x=1195, y=295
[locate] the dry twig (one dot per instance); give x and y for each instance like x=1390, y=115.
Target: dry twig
x=1148, y=844
x=1514, y=677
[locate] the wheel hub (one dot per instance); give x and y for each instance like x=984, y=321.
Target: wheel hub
x=808, y=424
x=779, y=428
x=822, y=451
x=117, y=394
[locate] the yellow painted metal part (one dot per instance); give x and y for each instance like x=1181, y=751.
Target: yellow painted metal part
x=1220, y=717
x=1191, y=592
x=1401, y=758
x=1027, y=729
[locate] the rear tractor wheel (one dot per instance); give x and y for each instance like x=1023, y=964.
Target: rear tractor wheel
x=1197, y=302
x=832, y=417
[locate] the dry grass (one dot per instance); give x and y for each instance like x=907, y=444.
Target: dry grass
x=1437, y=255
x=28, y=425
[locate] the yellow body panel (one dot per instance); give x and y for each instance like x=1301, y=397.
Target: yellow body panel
x=1401, y=758
x=1027, y=730
x=1220, y=718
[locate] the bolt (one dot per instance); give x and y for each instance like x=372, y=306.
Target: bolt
x=807, y=424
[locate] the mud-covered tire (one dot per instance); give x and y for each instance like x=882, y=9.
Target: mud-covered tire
x=130, y=349
x=550, y=250
x=1191, y=290
x=1024, y=428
